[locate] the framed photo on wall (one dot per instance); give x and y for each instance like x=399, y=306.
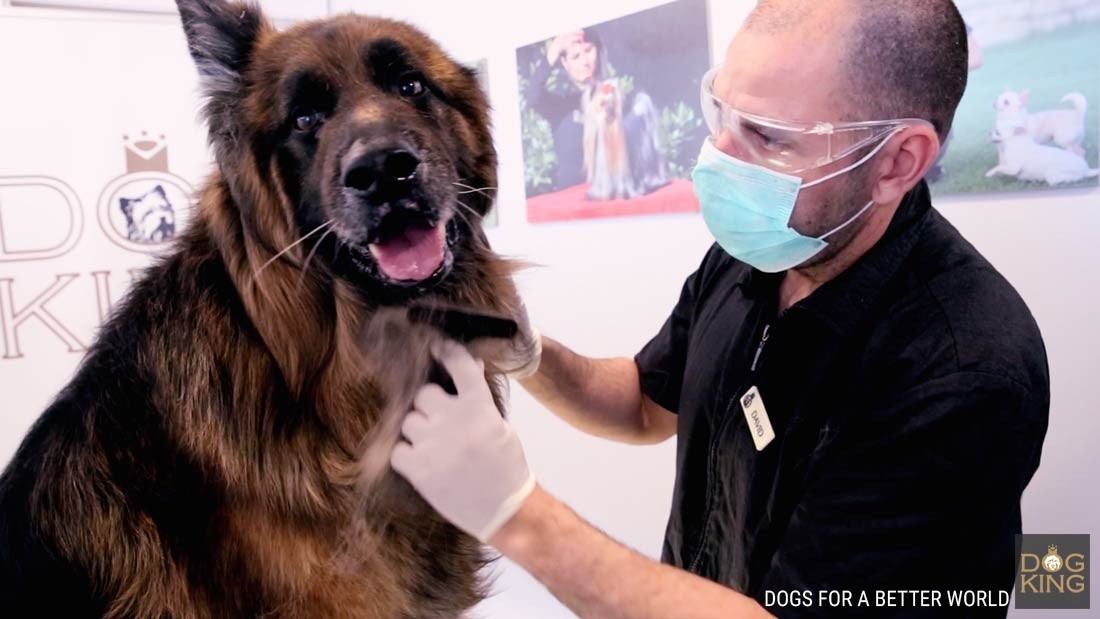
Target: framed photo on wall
x=1030, y=118
x=610, y=113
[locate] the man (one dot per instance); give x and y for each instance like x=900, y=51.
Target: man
x=859, y=398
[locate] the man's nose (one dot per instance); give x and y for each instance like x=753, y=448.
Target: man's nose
x=382, y=173
x=728, y=143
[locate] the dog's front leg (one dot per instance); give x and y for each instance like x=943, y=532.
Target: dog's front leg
x=1004, y=169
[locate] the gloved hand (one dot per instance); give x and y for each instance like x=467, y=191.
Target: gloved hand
x=459, y=453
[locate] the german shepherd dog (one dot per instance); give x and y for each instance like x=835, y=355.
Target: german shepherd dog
x=211, y=456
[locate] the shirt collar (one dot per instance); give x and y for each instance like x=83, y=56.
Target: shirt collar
x=844, y=301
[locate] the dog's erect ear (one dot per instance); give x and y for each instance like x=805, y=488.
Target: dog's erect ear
x=220, y=37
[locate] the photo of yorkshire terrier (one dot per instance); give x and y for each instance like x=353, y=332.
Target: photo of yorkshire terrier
x=150, y=218
x=622, y=155
x=610, y=115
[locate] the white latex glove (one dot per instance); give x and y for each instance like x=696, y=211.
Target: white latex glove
x=460, y=454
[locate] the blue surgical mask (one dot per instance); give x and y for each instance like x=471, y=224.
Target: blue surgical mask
x=748, y=209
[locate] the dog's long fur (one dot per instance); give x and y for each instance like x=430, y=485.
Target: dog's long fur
x=206, y=461
x=622, y=154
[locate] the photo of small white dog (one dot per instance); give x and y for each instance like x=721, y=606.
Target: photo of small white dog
x=1061, y=127
x=1020, y=156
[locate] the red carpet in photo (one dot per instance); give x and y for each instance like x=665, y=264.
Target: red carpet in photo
x=570, y=203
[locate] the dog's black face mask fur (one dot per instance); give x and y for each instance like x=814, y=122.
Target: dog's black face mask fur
x=375, y=146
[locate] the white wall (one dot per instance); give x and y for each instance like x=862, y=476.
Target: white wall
x=606, y=286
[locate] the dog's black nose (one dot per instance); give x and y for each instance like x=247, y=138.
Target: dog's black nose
x=386, y=169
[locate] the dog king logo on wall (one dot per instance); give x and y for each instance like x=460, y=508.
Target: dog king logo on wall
x=140, y=212
x=142, y=209
x=1052, y=571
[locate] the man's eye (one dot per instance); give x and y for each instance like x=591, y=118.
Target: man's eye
x=308, y=121
x=411, y=86
x=768, y=141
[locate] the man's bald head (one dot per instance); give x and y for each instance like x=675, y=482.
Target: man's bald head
x=902, y=59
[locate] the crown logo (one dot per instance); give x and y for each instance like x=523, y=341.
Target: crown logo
x=145, y=153
x=1052, y=549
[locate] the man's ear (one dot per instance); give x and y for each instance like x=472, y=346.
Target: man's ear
x=903, y=165
x=221, y=36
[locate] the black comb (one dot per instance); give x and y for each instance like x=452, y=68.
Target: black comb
x=463, y=326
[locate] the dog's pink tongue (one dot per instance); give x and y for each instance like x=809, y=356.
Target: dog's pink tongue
x=414, y=254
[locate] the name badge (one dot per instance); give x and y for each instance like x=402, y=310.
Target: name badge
x=757, y=417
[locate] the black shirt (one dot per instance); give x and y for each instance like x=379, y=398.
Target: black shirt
x=909, y=398
x=561, y=108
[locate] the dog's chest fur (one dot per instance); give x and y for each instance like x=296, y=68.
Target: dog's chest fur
x=181, y=471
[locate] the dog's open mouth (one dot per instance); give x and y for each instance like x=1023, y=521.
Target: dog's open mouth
x=412, y=254
x=409, y=249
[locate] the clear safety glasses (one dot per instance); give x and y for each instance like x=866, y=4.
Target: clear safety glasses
x=786, y=146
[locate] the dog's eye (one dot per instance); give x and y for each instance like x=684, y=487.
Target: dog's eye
x=308, y=121
x=411, y=86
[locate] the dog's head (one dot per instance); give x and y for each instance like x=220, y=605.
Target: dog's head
x=1008, y=128
x=1011, y=101
x=358, y=133
x=605, y=100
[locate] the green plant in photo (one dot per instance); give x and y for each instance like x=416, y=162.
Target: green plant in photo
x=679, y=124
x=625, y=82
x=539, y=158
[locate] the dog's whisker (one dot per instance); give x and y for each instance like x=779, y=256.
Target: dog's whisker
x=462, y=184
x=468, y=208
x=463, y=214
x=487, y=191
x=292, y=246
x=309, y=257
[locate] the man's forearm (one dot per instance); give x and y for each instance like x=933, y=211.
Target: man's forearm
x=597, y=577
x=597, y=396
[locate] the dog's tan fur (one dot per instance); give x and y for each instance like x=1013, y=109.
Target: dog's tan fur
x=605, y=158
